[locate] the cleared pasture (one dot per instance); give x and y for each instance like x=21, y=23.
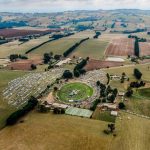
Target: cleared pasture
x=93, y=48
x=83, y=34
x=129, y=71
x=57, y=47
x=75, y=133
x=16, y=47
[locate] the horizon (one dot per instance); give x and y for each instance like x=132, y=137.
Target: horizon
x=22, y=12
x=52, y=6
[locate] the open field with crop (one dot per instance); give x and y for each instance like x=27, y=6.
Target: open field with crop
x=120, y=47
x=83, y=133
x=57, y=47
x=5, y=77
x=7, y=33
x=16, y=47
x=144, y=48
x=98, y=64
x=24, y=64
x=93, y=48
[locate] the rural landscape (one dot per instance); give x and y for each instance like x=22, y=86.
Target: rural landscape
x=75, y=80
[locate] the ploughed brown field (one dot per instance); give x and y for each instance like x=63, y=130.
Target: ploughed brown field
x=144, y=48
x=98, y=64
x=23, y=64
x=120, y=47
x=8, y=33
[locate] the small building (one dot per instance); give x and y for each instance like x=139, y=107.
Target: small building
x=57, y=105
x=121, y=93
x=60, y=63
x=108, y=106
x=114, y=113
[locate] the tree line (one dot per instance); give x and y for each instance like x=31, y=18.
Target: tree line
x=14, y=117
x=72, y=48
x=55, y=37
x=14, y=57
x=97, y=35
x=136, y=48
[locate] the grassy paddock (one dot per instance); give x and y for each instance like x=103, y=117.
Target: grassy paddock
x=57, y=47
x=49, y=131
x=92, y=48
x=5, y=109
x=16, y=47
x=103, y=116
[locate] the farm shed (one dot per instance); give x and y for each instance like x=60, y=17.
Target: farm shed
x=66, y=61
x=108, y=106
x=114, y=113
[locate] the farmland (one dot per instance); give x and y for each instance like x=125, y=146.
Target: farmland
x=98, y=64
x=144, y=48
x=8, y=33
x=77, y=92
x=24, y=64
x=57, y=47
x=91, y=48
x=15, y=47
x=120, y=47
x=82, y=133
x=5, y=77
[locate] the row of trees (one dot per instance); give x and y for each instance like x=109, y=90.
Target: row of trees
x=136, y=48
x=14, y=117
x=78, y=69
x=14, y=57
x=137, y=84
x=97, y=35
x=71, y=49
x=55, y=37
x=137, y=38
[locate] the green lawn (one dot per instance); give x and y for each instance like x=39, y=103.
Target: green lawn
x=103, y=116
x=93, y=48
x=5, y=109
x=80, y=91
x=144, y=92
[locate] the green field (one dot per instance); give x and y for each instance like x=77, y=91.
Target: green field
x=74, y=91
x=16, y=47
x=129, y=71
x=5, y=77
x=93, y=48
x=103, y=116
x=144, y=92
x=139, y=102
x=57, y=47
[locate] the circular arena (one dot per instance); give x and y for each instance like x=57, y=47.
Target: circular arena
x=74, y=92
